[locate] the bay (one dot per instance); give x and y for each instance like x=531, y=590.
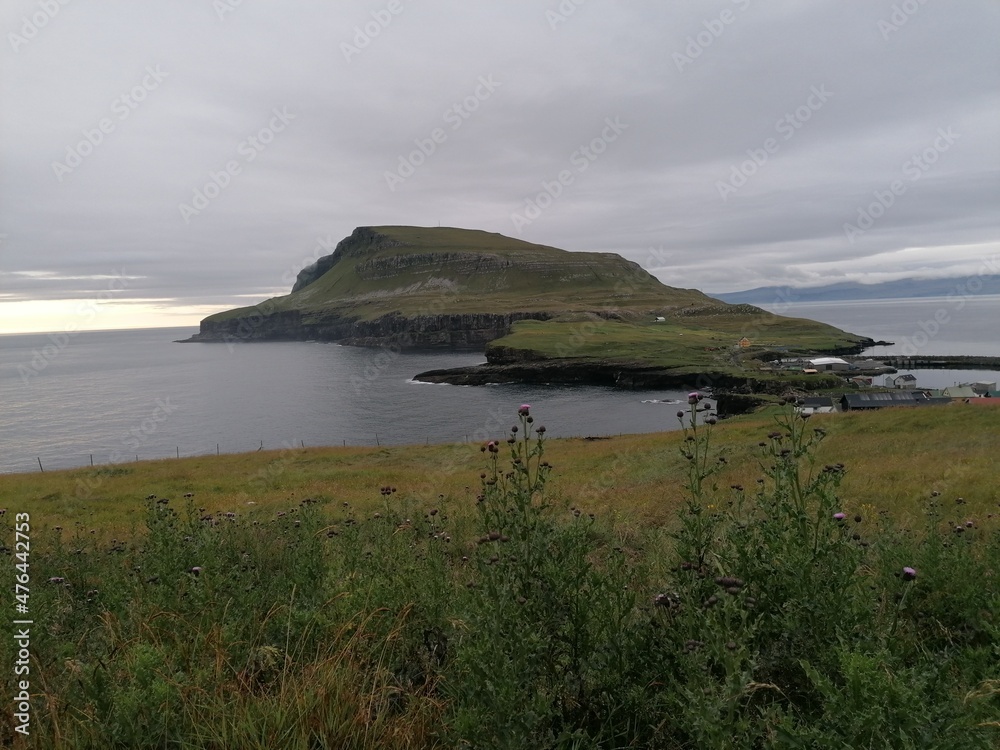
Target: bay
x=118, y=394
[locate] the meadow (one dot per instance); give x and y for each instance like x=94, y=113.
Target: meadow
x=768, y=581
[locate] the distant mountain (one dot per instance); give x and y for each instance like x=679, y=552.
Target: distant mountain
x=850, y=290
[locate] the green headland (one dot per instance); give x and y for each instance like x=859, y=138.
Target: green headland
x=538, y=313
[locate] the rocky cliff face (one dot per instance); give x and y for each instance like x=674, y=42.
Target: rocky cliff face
x=468, y=331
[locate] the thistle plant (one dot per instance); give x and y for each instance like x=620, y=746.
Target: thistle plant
x=697, y=525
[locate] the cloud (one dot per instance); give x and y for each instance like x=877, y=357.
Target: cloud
x=148, y=107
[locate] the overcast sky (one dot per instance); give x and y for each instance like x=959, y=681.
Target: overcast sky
x=184, y=157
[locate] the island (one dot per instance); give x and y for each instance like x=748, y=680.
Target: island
x=540, y=314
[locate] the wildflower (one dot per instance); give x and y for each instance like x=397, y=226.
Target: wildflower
x=680, y=414
x=196, y=570
x=857, y=519
x=694, y=397
x=669, y=601
x=57, y=579
x=839, y=516
x=909, y=573
x=541, y=430
x=524, y=409
x=711, y=420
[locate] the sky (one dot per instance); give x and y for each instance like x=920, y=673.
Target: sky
x=161, y=161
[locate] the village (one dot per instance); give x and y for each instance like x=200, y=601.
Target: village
x=875, y=385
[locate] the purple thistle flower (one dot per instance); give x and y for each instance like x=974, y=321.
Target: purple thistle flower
x=693, y=397
x=839, y=516
x=524, y=409
x=909, y=573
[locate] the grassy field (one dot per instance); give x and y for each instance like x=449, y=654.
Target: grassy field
x=895, y=459
x=768, y=581
x=687, y=343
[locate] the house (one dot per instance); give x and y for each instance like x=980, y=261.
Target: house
x=816, y=405
x=863, y=401
x=904, y=381
x=828, y=364
x=862, y=381
x=744, y=343
x=959, y=391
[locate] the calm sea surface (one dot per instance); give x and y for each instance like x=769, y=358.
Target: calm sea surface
x=928, y=325
x=118, y=394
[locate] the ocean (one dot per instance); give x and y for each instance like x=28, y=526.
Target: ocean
x=116, y=395
x=110, y=396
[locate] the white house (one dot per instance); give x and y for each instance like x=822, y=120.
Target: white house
x=827, y=364
x=904, y=381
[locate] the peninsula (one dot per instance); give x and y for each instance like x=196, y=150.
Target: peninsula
x=539, y=313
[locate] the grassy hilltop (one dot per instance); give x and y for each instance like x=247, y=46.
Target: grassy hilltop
x=417, y=270
x=766, y=582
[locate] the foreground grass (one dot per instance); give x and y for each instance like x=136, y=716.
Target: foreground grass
x=443, y=597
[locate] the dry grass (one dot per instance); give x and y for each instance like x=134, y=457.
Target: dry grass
x=894, y=460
